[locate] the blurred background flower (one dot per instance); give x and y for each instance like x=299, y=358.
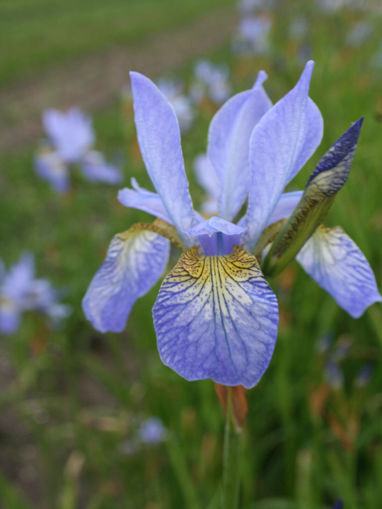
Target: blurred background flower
x=211, y=82
x=71, y=138
x=182, y=104
x=20, y=291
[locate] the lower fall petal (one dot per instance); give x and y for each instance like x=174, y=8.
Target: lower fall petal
x=134, y=263
x=216, y=317
x=336, y=263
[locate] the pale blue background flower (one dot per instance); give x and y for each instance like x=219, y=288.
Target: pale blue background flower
x=359, y=33
x=14, y=286
x=20, y=291
x=210, y=81
x=253, y=35
x=149, y=432
x=152, y=431
x=182, y=104
x=95, y=168
x=71, y=133
x=71, y=137
x=246, y=7
x=49, y=166
x=334, y=375
x=331, y=6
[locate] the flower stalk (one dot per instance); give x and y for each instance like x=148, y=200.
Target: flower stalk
x=233, y=443
x=234, y=403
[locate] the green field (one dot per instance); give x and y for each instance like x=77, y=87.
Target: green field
x=71, y=399
x=40, y=34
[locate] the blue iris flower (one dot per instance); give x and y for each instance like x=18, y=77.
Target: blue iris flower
x=21, y=291
x=211, y=82
x=71, y=138
x=215, y=315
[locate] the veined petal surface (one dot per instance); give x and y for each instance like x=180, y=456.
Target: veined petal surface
x=228, y=144
x=159, y=140
x=134, y=263
x=336, y=263
x=281, y=143
x=216, y=317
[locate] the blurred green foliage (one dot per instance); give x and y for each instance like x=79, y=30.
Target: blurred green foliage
x=42, y=33
x=72, y=399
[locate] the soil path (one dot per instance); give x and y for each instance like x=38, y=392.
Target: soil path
x=93, y=81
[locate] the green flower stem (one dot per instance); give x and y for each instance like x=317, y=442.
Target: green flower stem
x=232, y=459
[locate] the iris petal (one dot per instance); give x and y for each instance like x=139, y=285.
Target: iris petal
x=96, y=169
x=208, y=179
x=134, y=263
x=280, y=144
x=228, y=144
x=142, y=199
x=9, y=318
x=71, y=132
x=159, y=140
x=216, y=317
x=336, y=263
x=19, y=279
x=312, y=136
x=217, y=236
x=49, y=166
x=285, y=206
